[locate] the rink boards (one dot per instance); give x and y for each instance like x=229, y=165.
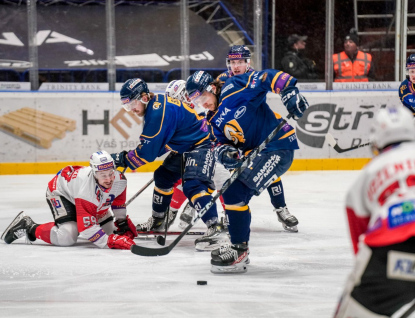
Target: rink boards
x=43, y=131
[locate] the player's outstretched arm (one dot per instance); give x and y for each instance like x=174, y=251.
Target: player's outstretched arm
x=295, y=102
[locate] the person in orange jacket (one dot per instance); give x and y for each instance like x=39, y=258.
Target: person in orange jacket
x=352, y=65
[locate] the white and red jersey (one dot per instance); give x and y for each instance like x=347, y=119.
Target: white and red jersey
x=92, y=201
x=381, y=203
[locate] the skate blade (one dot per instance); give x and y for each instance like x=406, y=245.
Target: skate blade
x=16, y=220
x=206, y=246
x=233, y=269
x=292, y=229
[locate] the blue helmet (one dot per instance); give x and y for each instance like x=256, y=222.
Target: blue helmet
x=198, y=83
x=410, y=62
x=238, y=52
x=132, y=89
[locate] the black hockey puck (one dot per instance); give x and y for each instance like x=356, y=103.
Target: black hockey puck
x=161, y=240
x=202, y=282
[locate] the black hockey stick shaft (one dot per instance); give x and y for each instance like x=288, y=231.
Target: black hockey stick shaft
x=148, y=251
x=333, y=143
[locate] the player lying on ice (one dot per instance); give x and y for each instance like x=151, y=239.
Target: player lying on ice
x=241, y=121
x=81, y=199
x=170, y=125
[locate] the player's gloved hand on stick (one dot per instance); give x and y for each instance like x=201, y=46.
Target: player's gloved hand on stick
x=228, y=156
x=120, y=242
x=126, y=227
x=119, y=159
x=295, y=103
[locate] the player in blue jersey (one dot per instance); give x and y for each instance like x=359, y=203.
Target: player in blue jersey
x=170, y=125
x=242, y=120
x=238, y=62
x=407, y=87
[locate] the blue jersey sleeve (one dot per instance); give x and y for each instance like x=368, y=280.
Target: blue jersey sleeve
x=406, y=96
x=159, y=127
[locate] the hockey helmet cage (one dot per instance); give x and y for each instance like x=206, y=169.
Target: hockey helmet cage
x=177, y=89
x=392, y=125
x=198, y=83
x=132, y=89
x=100, y=161
x=238, y=52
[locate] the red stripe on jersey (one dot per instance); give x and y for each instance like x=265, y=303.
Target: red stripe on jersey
x=357, y=225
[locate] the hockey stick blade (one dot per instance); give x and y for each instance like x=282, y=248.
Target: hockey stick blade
x=148, y=251
x=333, y=143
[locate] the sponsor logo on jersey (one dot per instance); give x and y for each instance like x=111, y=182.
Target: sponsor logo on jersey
x=227, y=87
x=222, y=116
x=134, y=83
x=106, y=166
x=240, y=112
x=97, y=236
x=156, y=105
x=208, y=163
x=401, y=214
x=276, y=190
x=254, y=79
x=401, y=266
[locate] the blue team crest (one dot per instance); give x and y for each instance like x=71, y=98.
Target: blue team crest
x=240, y=112
x=401, y=213
x=156, y=105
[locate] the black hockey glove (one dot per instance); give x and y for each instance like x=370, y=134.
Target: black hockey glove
x=119, y=159
x=295, y=103
x=228, y=156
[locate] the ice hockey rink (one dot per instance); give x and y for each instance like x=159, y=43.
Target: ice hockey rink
x=291, y=274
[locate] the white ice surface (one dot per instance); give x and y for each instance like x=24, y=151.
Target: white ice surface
x=291, y=274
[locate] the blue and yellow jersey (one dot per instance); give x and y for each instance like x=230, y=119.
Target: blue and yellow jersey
x=168, y=125
x=407, y=95
x=244, y=118
x=225, y=75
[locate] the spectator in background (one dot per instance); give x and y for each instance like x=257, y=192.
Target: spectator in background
x=352, y=65
x=407, y=87
x=295, y=63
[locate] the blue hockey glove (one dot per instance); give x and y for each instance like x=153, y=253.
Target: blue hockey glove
x=119, y=159
x=295, y=103
x=228, y=156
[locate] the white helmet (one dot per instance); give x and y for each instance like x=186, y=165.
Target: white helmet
x=100, y=161
x=392, y=125
x=177, y=89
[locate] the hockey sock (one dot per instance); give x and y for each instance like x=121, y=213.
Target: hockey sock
x=42, y=232
x=239, y=223
x=178, y=197
x=161, y=201
x=211, y=216
x=276, y=193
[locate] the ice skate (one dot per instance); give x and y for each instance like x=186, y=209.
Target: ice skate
x=19, y=227
x=215, y=236
x=215, y=253
x=187, y=216
x=289, y=222
x=230, y=259
x=153, y=224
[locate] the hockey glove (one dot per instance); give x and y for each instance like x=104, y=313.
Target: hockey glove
x=228, y=156
x=126, y=227
x=295, y=103
x=119, y=159
x=120, y=242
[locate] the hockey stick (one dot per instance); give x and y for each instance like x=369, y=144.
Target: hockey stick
x=139, y=192
x=148, y=251
x=333, y=143
x=142, y=234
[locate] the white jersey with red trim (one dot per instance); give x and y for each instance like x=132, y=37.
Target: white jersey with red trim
x=380, y=204
x=78, y=185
